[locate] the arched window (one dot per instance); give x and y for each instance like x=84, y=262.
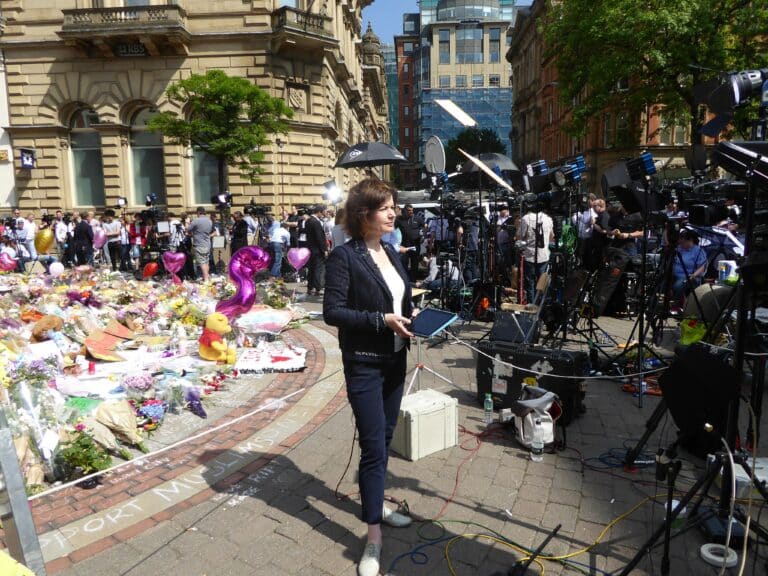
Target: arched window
x=146, y=159
x=88, y=168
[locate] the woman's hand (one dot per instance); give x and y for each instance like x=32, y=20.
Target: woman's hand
x=398, y=324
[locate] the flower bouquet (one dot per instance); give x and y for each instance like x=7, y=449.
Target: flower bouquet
x=121, y=419
x=151, y=412
x=82, y=455
x=138, y=385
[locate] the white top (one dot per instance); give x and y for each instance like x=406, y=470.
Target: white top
x=451, y=271
x=397, y=288
x=280, y=235
x=536, y=231
x=583, y=221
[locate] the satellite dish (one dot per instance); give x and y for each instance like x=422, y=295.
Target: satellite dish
x=434, y=155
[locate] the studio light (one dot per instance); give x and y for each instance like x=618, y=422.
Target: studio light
x=122, y=201
x=641, y=166
x=222, y=199
x=537, y=168
x=150, y=199
x=332, y=192
x=462, y=117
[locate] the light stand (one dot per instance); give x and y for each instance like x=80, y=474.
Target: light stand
x=419, y=368
x=280, y=145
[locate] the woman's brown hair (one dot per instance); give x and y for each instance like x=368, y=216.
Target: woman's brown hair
x=363, y=200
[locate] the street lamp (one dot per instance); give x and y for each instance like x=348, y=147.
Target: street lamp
x=280, y=145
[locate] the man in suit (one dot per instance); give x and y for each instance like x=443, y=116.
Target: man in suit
x=318, y=247
x=412, y=227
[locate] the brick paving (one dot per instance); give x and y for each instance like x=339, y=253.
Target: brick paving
x=277, y=511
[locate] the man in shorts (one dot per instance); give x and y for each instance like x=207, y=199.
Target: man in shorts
x=201, y=230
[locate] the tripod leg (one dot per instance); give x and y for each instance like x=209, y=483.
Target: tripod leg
x=707, y=480
x=650, y=427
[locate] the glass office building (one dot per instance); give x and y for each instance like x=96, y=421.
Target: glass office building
x=390, y=72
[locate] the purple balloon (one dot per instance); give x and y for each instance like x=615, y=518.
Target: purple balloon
x=298, y=257
x=173, y=262
x=99, y=238
x=245, y=263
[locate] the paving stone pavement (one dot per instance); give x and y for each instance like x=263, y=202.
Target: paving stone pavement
x=278, y=511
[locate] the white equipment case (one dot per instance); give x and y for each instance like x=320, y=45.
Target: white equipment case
x=427, y=423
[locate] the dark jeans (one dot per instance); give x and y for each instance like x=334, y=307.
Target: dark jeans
x=316, y=276
x=374, y=392
x=531, y=273
x=114, y=254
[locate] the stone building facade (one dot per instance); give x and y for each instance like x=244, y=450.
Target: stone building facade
x=84, y=76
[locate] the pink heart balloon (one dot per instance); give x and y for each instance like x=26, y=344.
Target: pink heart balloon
x=298, y=257
x=7, y=263
x=245, y=263
x=173, y=262
x=99, y=238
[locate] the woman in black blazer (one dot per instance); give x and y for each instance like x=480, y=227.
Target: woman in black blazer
x=368, y=297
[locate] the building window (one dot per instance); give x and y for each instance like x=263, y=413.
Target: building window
x=673, y=135
x=461, y=81
x=494, y=80
x=406, y=111
x=408, y=47
x=281, y=3
x=445, y=46
x=622, y=128
x=444, y=81
x=409, y=26
x=622, y=85
x=405, y=90
x=469, y=45
x=478, y=80
x=205, y=178
x=607, y=131
x=406, y=68
x=494, y=45
x=88, y=167
x=146, y=159
x=406, y=133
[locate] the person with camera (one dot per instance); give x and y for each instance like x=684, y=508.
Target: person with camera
x=201, y=230
x=368, y=298
x=238, y=233
x=689, y=265
x=536, y=231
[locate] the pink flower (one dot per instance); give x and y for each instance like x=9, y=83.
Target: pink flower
x=80, y=427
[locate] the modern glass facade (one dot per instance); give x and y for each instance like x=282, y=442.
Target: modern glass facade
x=390, y=71
x=488, y=106
x=465, y=9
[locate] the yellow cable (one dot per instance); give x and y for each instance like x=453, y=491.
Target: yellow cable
x=487, y=537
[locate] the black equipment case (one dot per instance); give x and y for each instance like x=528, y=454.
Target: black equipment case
x=505, y=383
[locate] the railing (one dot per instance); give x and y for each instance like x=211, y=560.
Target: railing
x=168, y=15
x=287, y=17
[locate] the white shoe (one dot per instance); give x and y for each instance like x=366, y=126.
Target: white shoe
x=369, y=562
x=395, y=519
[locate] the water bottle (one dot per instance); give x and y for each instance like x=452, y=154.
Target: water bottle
x=488, y=409
x=537, y=442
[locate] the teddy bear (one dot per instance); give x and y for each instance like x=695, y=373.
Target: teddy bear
x=212, y=344
x=46, y=324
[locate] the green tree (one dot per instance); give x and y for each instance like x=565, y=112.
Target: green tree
x=661, y=49
x=229, y=117
x=473, y=141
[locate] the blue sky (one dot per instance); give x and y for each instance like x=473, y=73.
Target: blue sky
x=387, y=17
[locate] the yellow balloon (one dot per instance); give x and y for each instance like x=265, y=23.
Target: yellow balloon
x=44, y=240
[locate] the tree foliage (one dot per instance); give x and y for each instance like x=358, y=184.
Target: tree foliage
x=663, y=47
x=473, y=141
x=227, y=116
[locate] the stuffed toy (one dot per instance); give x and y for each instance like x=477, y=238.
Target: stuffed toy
x=212, y=344
x=46, y=324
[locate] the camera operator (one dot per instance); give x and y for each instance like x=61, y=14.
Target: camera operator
x=504, y=245
x=584, y=222
x=626, y=229
x=436, y=277
x=601, y=230
x=537, y=231
x=733, y=212
x=689, y=265
x=412, y=227
x=238, y=233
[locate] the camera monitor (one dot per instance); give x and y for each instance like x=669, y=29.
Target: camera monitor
x=431, y=321
x=163, y=227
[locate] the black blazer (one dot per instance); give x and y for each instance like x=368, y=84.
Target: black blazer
x=356, y=299
x=316, y=241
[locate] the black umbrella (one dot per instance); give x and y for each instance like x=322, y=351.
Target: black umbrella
x=370, y=154
x=493, y=160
